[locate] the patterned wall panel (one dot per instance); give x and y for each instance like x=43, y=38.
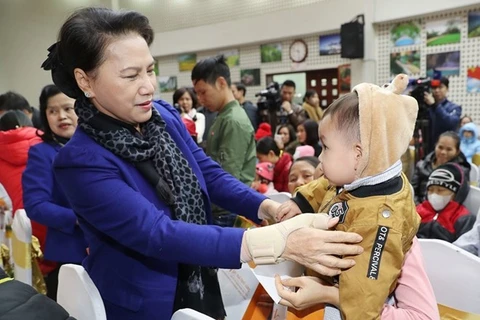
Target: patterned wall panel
x=469, y=57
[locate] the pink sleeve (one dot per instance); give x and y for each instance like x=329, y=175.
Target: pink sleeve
x=414, y=293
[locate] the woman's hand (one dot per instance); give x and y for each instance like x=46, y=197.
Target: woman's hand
x=319, y=249
x=301, y=239
x=310, y=292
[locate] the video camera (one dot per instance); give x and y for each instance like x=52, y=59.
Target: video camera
x=419, y=87
x=270, y=98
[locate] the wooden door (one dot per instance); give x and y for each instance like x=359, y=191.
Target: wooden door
x=325, y=83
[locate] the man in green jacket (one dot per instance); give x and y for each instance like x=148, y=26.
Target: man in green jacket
x=230, y=141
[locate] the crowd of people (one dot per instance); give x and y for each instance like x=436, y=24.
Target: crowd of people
x=110, y=177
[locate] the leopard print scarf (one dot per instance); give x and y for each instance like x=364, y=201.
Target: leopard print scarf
x=197, y=287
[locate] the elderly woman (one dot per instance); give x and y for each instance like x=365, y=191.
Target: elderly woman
x=141, y=188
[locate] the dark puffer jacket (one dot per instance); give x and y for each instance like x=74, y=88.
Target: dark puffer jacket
x=19, y=301
x=423, y=170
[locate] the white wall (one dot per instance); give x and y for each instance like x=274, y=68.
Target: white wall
x=27, y=29
x=306, y=20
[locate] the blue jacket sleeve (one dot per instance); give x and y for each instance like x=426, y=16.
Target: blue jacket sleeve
x=224, y=189
x=37, y=183
x=449, y=116
x=117, y=210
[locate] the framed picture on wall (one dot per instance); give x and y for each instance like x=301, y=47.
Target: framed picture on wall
x=473, y=80
x=271, y=52
x=407, y=62
x=443, y=31
x=330, y=44
x=167, y=84
x=186, y=62
x=448, y=63
x=250, y=77
x=474, y=24
x=406, y=34
x=232, y=57
x=344, y=78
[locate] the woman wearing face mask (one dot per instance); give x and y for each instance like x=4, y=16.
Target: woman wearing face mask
x=443, y=215
x=43, y=198
x=447, y=149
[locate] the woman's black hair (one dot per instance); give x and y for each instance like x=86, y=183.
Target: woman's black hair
x=311, y=130
x=310, y=93
x=180, y=92
x=47, y=92
x=291, y=132
x=310, y=159
x=453, y=135
x=267, y=144
x=14, y=119
x=82, y=41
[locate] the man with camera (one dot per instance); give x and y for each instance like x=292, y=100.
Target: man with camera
x=284, y=111
x=444, y=115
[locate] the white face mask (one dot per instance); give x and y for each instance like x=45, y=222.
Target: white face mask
x=437, y=201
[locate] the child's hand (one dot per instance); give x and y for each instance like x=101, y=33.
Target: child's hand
x=287, y=210
x=311, y=291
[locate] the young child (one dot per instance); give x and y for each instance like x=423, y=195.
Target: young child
x=364, y=134
x=263, y=182
x=443, y=215
x=469, y=143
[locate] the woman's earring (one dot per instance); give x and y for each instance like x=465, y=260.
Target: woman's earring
x=87, y=94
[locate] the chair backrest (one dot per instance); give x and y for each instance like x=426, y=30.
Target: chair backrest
x=454, y=274
x=21, y=247
x=474, y=175
x=78, y=295
x=472, y=202
x=280, y=197
x=189, y=314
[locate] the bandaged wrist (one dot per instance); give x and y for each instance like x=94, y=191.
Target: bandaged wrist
x=266, y=245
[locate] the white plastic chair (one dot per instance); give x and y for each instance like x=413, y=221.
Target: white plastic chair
x=21, y=247
x=189, y=314
x=454, y=274
x=280, y=197
x=472, y=202
x=474, y=175
x=78, y=295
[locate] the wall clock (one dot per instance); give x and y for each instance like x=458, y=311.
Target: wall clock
x=298, y=51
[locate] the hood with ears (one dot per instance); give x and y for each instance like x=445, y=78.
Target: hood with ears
x=387, y=122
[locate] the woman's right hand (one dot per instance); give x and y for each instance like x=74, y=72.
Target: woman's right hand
x=303, y=239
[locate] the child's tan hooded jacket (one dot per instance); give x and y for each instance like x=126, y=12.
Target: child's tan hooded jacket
x=383, y=214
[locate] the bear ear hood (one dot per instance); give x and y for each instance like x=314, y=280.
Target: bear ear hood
x=387, y=122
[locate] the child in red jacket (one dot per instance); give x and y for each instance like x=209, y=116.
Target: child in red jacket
x=443, y=215
x=268, y=151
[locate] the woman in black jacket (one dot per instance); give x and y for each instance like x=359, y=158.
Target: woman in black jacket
x=447, y=149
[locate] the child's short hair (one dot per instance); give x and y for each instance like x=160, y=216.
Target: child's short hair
x=345, y=115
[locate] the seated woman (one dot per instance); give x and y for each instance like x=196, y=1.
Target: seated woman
x=287, y=140
x=311, y=104
x=447, y=149
x=186, y=99
x=268, y=151
x=307, y=134
x=443, y=214
x=43, y=197
x=302, y=172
